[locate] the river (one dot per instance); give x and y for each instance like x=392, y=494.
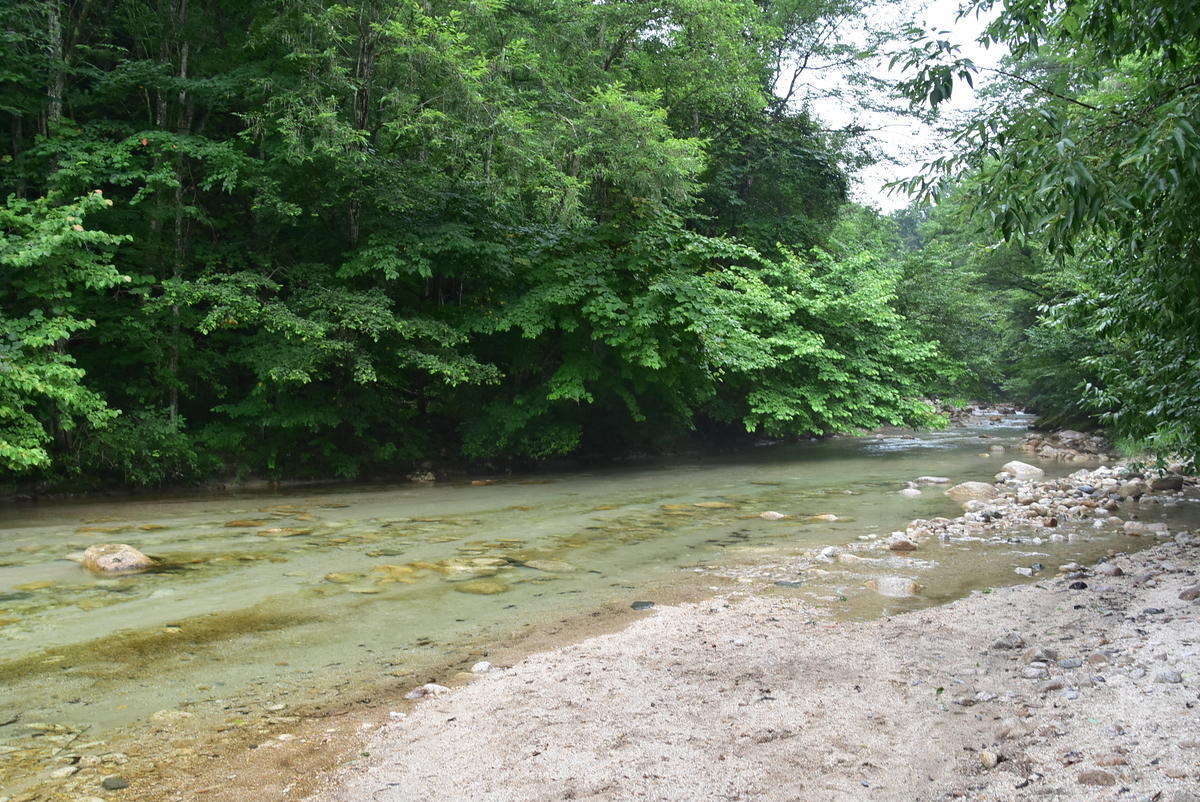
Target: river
x=267, y=601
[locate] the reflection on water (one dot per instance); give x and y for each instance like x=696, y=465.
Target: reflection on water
x=296, y=596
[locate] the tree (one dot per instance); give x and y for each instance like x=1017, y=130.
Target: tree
x=1094, y=151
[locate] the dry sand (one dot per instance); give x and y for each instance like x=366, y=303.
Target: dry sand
x=748, y=698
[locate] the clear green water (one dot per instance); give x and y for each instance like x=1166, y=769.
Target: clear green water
x=367, y=583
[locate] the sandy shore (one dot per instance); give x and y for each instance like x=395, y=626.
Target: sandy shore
x=1031, y=692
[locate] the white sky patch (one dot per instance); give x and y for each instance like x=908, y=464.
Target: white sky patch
x=902, y=143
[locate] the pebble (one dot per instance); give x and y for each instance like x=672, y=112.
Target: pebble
x=428, y=689
x=1171, y=677
x=1095, y=777
x=65, y=771
x=114, y=782
x=1050, y=685
x=1010, y=640
x=989, y=759
x=1108, y=569
x=1035, y=672
x=641, y=605
x=771, y=515
x=1077, y=586
x=1190, y=593
x=482, y=667
x=1070, y=662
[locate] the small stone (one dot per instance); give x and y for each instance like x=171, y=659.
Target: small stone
x=1095, y=777
x=641, y=605
x=989, y=759
x=482, y=667
x=428, y=689
x=64, y=772
x=1190, y=593
x=910, y=492
x=1010, y=640
x=788, y=583
x=169, y=716
x=1034, y=672
x=1078, y=586
x=771, y=515
x=1108, y=569
x=114, y=782
x=1050, y=685
x=902, y=544
x=1170, y=677
x=1070, y=662
x=1153, y=611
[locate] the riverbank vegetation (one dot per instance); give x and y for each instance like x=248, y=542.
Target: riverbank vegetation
x=309, y=239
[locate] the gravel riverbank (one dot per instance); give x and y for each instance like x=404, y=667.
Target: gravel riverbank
x=1080, y=686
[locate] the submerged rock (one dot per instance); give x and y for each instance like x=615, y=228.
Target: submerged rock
x=771, y=515
x=911, y=492
x=115, y=558
x=482, y=587
x=551, y=566
x=895, y=586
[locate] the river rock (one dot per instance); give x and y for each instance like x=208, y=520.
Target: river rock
x=771, y=515
x=1139, y=528
x=972, y=491
x=895, y=586
x=1108, y=569
x=910, y=492
x=1023, y=470
x=1167, y=483
x=1134, y=488
x=932, y=480
x=1190, y=593
x=482, y=667
x=902, y=544
x=428, y=689
x=827, y=517
x=115, y=558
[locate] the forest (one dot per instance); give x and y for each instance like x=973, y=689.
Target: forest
x=311, y=239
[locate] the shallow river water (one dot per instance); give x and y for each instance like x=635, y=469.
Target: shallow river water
x=300, y=596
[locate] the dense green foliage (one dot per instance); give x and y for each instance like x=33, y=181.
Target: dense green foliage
x=354, y=237
x=1090, y=150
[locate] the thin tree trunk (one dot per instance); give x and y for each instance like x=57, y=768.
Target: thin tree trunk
x=56, y=86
